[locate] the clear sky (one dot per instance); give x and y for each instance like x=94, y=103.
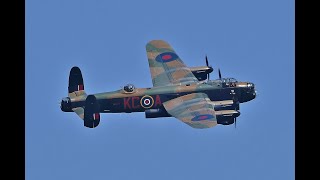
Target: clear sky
x=250, y=40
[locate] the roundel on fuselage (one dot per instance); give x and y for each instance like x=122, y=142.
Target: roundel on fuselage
x=146, y=101
x=166, y=57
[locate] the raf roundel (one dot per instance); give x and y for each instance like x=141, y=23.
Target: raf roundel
x=167, y=57
x=202, y=117
x=146, y=102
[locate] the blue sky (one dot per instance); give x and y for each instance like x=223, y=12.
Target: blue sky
x=249, y=40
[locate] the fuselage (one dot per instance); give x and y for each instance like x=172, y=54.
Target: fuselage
x=142, y=99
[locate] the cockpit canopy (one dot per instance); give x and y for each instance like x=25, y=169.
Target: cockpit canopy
x=223, y=81
x=129, y=88
x=229, y=80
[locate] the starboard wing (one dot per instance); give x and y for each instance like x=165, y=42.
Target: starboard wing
x=193, y=109
x=165, y=65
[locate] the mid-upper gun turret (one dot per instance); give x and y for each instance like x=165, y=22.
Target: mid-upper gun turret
x=129, y=88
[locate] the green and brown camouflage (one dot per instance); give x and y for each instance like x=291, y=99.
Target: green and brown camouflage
x=194, y=109
x=176, y=92
x=166, y=67
x=121, y=93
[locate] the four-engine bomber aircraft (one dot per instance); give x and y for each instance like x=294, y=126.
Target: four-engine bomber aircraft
x=178, y=91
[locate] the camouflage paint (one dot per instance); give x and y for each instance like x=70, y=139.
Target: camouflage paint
x=165, y=65
x=175, y=88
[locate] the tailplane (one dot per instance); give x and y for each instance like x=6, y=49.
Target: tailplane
x=89, y=112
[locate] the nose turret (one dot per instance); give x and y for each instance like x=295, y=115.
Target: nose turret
x=250, y=85
x=252, y=90
x=248, y=91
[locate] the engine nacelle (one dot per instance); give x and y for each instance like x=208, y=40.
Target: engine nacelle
x=201, y=73
x=227, y=119
x=155, y=113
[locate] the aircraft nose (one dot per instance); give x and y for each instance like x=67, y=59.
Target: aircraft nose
x=250, y=85
x=248, y=91
x=255, y=92
x=252, y=90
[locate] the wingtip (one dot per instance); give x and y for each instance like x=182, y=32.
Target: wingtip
x=158, y=42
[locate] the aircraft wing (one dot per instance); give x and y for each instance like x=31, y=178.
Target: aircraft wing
x=165, y=65
x=193, y=109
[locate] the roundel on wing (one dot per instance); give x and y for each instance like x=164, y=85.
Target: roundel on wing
x=166, y=57
x=146, y=101
x=202, y=117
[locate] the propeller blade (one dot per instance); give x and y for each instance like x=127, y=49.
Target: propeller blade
x=207, y=62
x=219, y=73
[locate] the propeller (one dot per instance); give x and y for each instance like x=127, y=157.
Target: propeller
x=207, y=63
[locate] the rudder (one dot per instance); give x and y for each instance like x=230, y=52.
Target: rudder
x=76, y=85
x=91, y=112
